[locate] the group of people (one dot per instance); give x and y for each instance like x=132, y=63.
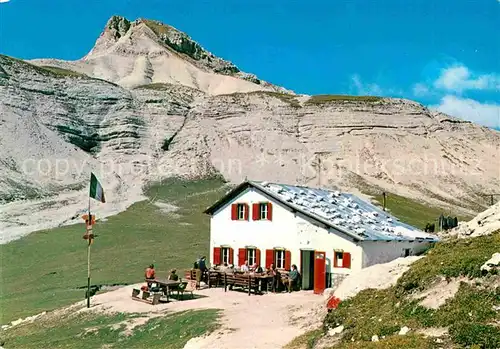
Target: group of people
x=150, y=274
x=291, y=282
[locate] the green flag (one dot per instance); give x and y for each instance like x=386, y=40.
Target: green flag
x=96, y=191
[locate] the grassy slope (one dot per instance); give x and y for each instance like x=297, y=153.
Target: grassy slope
x=89, y=330
x=43, y=270
x=413, y=212
x=322, y=99
x=469, y=315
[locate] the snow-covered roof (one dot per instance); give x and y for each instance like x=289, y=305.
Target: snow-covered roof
x=342, y=211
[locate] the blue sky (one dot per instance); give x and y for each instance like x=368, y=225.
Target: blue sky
x=442, y=53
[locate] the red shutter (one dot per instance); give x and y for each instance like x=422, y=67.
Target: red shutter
x=234, y=212
x=257, y=256
x=242, y=256
x=269, y=258
x=347, y=260
x=231, y=255
x=255, y=212
x=217, y=251
x=335, y=262
x=269, y=211
x=288, y=260
x=246, y=212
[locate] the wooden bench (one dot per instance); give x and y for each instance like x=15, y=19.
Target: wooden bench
x=193, y=274
x=146, y=297
x=248, y=282
x=215, y=278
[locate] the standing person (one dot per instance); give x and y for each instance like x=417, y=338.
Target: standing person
x=276, y=276
x=293, y=278
x=203, y=268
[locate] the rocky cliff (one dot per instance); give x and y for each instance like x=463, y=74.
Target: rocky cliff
x=62, y=119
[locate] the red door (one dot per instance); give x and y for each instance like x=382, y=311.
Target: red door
x=319, y=272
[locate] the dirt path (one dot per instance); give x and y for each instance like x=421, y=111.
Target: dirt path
x=268, y=321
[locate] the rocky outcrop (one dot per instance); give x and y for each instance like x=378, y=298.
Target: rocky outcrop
x=144, y=51
x=198, y=124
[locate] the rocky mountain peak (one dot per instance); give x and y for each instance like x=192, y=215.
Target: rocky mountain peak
x=117, y=26
x=183, y=44
x=144, y=51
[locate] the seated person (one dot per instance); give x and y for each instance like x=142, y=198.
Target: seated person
x=293, y=278
x=230, y=269
x=150, y=274
x=245, y=267
x=257, y=268
x=173, y=275
x=223, y=267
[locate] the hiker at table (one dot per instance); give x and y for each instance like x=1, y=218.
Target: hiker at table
x=223, y=268
x=256, y=268
x=293, y=278
x=245, y=267
x=173, y=275
x=150, y=274
x=276, y=276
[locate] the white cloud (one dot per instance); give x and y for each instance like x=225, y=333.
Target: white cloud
x=459, y=78
x=371, y=89
x=420, y=89
x=365, y=89
x=2, y=1
x=487, y=114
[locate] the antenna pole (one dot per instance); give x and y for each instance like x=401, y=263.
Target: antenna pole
x=319, y=172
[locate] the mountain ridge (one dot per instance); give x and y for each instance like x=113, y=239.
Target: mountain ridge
x=130, y=136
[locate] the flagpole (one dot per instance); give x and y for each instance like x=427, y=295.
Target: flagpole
x=88, y=259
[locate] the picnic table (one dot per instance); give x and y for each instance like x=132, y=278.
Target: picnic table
x=258, y=282
x=251, y=281
x=166, y=285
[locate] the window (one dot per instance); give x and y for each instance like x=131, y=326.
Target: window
x=341, y=259
x=241, y=211
x=251, y=256
x=263, y=211
x=225, y=255
x=279, y=259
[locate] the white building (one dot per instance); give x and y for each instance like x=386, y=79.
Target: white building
x=327, y=234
